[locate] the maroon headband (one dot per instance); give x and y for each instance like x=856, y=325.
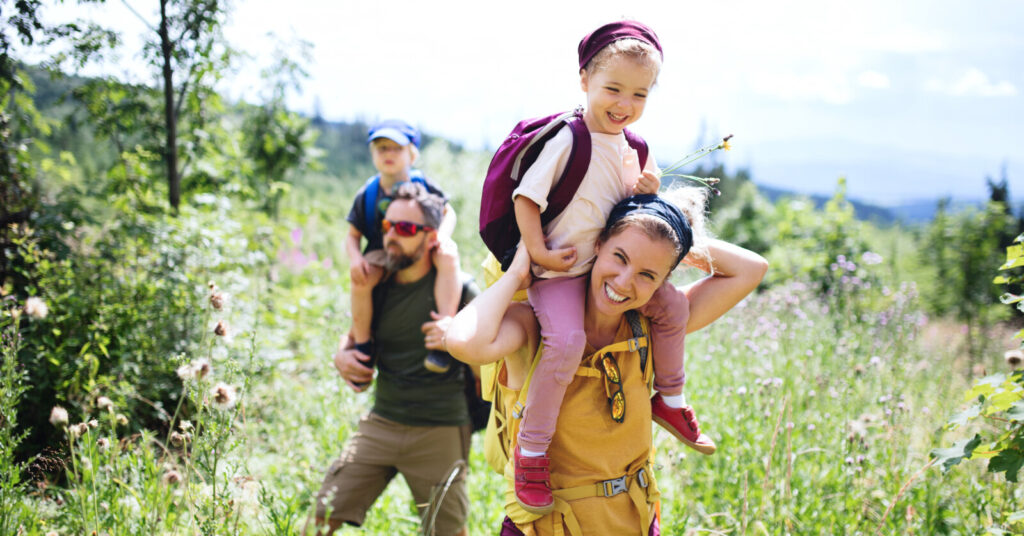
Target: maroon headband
x=593, y=42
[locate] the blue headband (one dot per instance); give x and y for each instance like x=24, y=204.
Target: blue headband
x=659, y=208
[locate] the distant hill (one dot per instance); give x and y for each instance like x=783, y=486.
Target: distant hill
x=862, y=210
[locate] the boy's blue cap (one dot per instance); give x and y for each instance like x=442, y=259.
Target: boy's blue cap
x=395, y=130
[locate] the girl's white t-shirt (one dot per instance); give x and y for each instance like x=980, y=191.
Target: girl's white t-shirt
x=613, y=171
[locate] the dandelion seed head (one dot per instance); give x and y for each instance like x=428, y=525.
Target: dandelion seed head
x=185, y=372
x=77, y=430
x=223, y=395
x=35, y=307
x=105, y=404
x=58, y=416
x=218, y=300
x=172, y=477
x=201, y=368
x=179, y=439
x=1014, y=358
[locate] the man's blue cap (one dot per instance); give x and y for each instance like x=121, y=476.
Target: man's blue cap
x=395, y=130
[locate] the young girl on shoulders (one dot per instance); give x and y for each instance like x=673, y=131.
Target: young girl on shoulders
x=619, y=64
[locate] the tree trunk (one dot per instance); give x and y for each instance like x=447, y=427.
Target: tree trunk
x=170, y=119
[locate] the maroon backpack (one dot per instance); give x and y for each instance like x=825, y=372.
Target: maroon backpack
x=515, y=155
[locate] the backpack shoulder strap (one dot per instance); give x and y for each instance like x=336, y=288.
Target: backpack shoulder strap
x=416, y=175
x=639, y=145
x=575, y=169
x=520, y=405
x=370, y=202
x=641, y=328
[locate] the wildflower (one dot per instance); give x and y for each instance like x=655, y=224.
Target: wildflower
x=860, y=459
x=121, y=419
x=790, y=425
x=201, y=368
x=185, y=372
x=221, y=329
x=223, y=395
x=171, y=477
x=185, y=426
x=180, y=439
x=53, y=533
x=858, y=369
x=217, y=300
x=875, y=361
x=105, y=404
x=848, y=460
x=103, y=444
x=725, y=145
x=58, y=416
x=93, y=424
x=741, y=390
x=1014, y=358
x=86, y=463
x=36, y=307
x=78, y=429
x=871, y=258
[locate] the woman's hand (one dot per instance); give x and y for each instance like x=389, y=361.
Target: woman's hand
x=434, y=331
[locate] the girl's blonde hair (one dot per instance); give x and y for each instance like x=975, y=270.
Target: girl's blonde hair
x=642, y=53
x=692, y=201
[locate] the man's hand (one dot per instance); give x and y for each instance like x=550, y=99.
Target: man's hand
x=352, y=368
x=434, y=331
x=648, y=183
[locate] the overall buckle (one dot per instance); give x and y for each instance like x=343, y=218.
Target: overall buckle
x=615, y=486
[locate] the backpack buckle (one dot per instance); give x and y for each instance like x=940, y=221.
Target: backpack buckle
x=517, y=410
x=614, y=486
x=641, y=478
x=633, y=344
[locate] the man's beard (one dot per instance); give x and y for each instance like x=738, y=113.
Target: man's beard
x=397, y=259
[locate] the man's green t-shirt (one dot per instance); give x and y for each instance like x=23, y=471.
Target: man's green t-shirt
x=406, y=391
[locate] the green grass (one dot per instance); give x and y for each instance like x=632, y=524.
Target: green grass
x=824, y=409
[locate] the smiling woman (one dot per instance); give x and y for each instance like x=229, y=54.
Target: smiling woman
x=602, y=440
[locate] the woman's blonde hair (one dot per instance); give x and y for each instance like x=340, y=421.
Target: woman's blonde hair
x=692, y=202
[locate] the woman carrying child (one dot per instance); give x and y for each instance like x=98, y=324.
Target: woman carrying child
x=619, y=64
x=600, y=454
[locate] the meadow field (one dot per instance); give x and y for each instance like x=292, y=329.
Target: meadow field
x=826, y=401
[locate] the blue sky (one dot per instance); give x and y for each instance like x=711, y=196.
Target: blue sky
x=908, y=100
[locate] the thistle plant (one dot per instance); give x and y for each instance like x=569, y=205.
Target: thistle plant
x=707, y=182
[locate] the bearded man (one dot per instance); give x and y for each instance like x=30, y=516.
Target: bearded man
x=419, y=425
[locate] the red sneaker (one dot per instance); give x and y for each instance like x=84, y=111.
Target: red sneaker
x=533, y=483
x=682, y=423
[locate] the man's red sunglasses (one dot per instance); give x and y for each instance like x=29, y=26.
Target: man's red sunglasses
x=403, y=228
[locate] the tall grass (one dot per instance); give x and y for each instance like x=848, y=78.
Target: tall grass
x=824, y=409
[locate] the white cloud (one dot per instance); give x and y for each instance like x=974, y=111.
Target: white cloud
x=973, y=83
x=873, y=80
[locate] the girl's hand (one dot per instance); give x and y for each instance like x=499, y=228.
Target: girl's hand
x=359, y=270
x=648, y=183
x=556, y=260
